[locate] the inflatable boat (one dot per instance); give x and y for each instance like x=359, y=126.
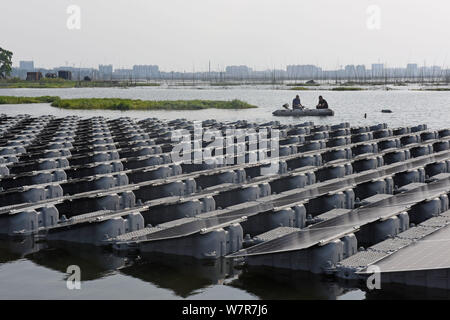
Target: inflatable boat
x=303, y=112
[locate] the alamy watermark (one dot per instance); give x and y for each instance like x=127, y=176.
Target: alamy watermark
x=73, y=281
x=374, y=280
x=74, y=19
x=227, y=147
x=373, y=21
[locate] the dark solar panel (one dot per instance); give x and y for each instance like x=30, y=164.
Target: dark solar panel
x=431, y=252
x=347, y=222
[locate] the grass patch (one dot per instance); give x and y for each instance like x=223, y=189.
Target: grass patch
x=128, y=104
x=144, y=84
x=347, y=89
x=436, y=89
x=44, y=83
x=22, y=100
x=363, y=83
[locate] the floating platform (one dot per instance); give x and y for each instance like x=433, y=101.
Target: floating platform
x=304, y=113
x=302, y=197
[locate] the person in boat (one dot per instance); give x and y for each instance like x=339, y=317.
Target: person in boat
x=296, y=104
x=323, y=104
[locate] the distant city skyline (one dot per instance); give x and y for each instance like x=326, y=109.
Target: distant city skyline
x=147, y=72
x=109, y=67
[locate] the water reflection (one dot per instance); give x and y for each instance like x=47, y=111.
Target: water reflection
x=183, y=275
x=16, y=249
x=95, y=262
x=279, y=284
x=186, y=277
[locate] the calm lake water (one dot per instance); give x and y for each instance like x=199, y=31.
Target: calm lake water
x=38, y=270
x=409, y=107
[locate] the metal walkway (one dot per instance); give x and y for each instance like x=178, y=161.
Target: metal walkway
x=428, y=248
x=429, y=253
x=326, y=231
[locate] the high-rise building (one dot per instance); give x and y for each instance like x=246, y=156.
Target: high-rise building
x=361, y=71
x=308, y=71
x=26, y=65
x=412, y=70
x=377, y=70
x=123, y=73
x=145, y=71
x=350, y=71
x=238, y=71
x=105, y=71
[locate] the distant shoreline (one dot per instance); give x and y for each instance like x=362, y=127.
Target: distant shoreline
x=200, y=84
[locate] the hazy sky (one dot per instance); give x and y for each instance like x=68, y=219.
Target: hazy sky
x=186, y=34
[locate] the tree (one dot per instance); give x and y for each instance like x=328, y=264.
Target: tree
x=5, y=63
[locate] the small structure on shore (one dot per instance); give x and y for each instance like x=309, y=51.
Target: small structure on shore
x=34, y=76
x=66, y=75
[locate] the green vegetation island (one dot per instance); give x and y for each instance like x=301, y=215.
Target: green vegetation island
x=300, y=88
x=127, y=104
x=432, y=89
